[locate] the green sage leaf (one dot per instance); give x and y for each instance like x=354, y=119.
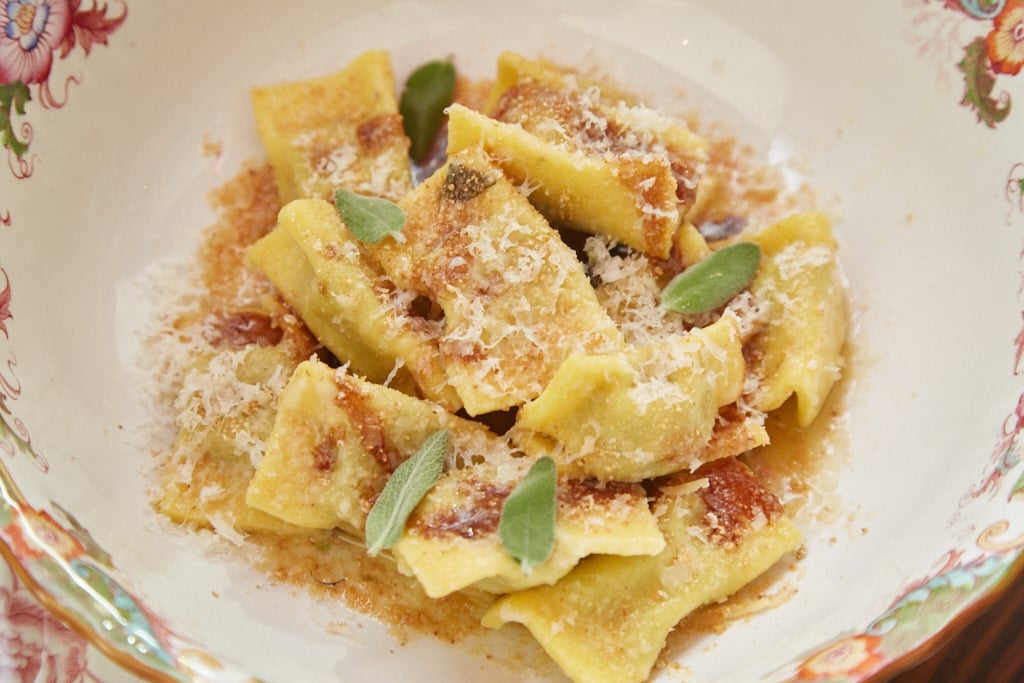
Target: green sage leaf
x=527, y=525
x=370, y=219
x=408, y=484
x=428, y=90
x=714, y=280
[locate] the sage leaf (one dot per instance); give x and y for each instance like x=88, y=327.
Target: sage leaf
x=408, y=484
x=428, y=90
x=370, y=219
x=527, y=524
x=713, y=280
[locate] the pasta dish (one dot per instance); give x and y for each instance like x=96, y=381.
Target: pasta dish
x=527, y=371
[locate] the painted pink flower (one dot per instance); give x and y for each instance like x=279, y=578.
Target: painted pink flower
x=1005, y=42
x=30, y=30
x=34, y=645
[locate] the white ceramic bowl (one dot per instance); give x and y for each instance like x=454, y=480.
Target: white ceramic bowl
x=897, y=113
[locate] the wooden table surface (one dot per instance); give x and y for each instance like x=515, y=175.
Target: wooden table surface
x=988, y=650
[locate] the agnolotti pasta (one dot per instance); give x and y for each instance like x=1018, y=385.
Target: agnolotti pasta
x=593, y=162
x=608, y=619
x=502, y=276
x=800, y=352
x=335, y=439
x=644, y=413
x=517, y=309
x=593, y=519
x=339, y=130
x=220, y=436
x=316, y=266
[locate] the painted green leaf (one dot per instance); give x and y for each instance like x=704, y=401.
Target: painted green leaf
x=428, y=90
x=527, y=525
x=979, y=83
x=14, y=436
x=13, y=97
x=407, y=486
x=714, y=280
x=370, y=219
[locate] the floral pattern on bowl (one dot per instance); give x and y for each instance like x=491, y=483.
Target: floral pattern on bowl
x=32, y=34
x=995, y=51
x=37, y=646
x=965, y=574
x=61, y=565
x=58, y=562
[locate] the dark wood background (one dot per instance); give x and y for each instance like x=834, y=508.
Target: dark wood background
x=989, y=649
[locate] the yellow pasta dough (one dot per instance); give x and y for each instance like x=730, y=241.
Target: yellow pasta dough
x=642, y=413
x=221, y=436
x=590, y=161
x=341, y=130
x=516, y=299
x=335, y=440
x=608, y=619
x=452, y=542
x=316, y=264
x=800, y=353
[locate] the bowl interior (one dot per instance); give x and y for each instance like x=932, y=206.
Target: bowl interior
x=930, y=246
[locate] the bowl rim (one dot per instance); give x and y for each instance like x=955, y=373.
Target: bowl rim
x=56, y=585
x=52, y=561
x=960, y=621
